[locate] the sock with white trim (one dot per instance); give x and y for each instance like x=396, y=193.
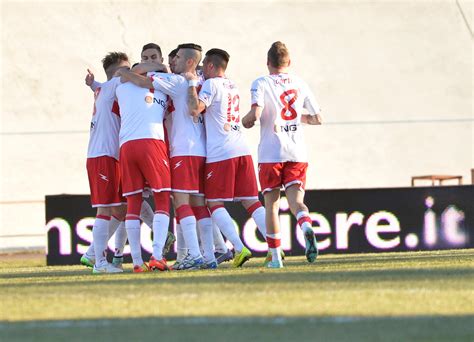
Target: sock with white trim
x=147, y=213
x=100, y=233
x=120, y=239
x=133, y=232
x=113, y=226
x=223, y=220
x=161, y=223
x=187, y=220
x=90, y=250
x=257, y=211
x=207, y=239
x=274, y=246
x=304, y=220
x=219, y=242
x=204, y=224
x=181, y=249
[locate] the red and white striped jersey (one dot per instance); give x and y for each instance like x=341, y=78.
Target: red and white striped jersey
x=142, y=112
x=283, y=98
x=222, y=120
x=187, y=135
x=105, y=123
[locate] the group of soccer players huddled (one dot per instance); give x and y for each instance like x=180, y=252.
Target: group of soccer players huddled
x=173, y=131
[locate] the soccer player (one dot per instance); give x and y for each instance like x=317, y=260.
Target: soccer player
x=230, y=175
x=150, y=52
x=188, y=156
x=103, y=165
x=144, y=161
x=278, y=100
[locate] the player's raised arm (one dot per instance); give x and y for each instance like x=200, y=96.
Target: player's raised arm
x=90, y=81
x=143, y=68
x=139, y=80
x=248, y=121
x=89, y=78
x=195, y=105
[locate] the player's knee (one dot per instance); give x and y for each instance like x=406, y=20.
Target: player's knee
x=104, y=211
x=197, y=201
x=180, y=198
x=213, y=206
x=119, y=212
x=275, y=206
x=300, y=206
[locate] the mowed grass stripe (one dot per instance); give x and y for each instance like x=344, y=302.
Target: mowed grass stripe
x=372, y=297
x=422, y=328
x=393, y=284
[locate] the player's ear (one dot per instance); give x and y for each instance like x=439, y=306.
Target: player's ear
x=162, y=60
x=289, y=62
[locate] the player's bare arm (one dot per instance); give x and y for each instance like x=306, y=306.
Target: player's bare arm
x=91, y=82
x=143, y=68
x=311, y=119
x=195, y=105
x=139, y=80
x=248, y=121
x=89, y=78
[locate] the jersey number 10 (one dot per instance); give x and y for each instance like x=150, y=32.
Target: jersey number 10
x=233, y=108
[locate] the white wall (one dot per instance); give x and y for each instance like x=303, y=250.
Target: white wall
x=394, y=79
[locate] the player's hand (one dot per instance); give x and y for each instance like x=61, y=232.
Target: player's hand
x=247, y=123
x=190, y=76
x=89, y=78
x=319, y=119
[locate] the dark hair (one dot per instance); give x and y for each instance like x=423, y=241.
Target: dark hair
x=278, y=55
x=218, y=57
x=173, y=53
x=190, y=46
x=113, y=58
x=152, y=46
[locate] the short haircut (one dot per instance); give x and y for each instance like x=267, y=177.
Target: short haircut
x=191, y=51
x=190, y=46
x=113, y=58
x=152, y=46
x=218, y=57
x=278, y=55
x=173, y=53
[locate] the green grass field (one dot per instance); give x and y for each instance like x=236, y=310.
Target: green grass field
x=420, y=296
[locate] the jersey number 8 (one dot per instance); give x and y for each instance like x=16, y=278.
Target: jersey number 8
x=287, y=99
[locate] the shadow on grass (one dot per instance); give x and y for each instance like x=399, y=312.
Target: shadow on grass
x=398, y=257
x=250, y=328
x=326, y=261
x=264, y=276
x=297, y=270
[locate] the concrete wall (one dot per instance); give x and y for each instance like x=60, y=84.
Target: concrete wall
x=394, y=79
